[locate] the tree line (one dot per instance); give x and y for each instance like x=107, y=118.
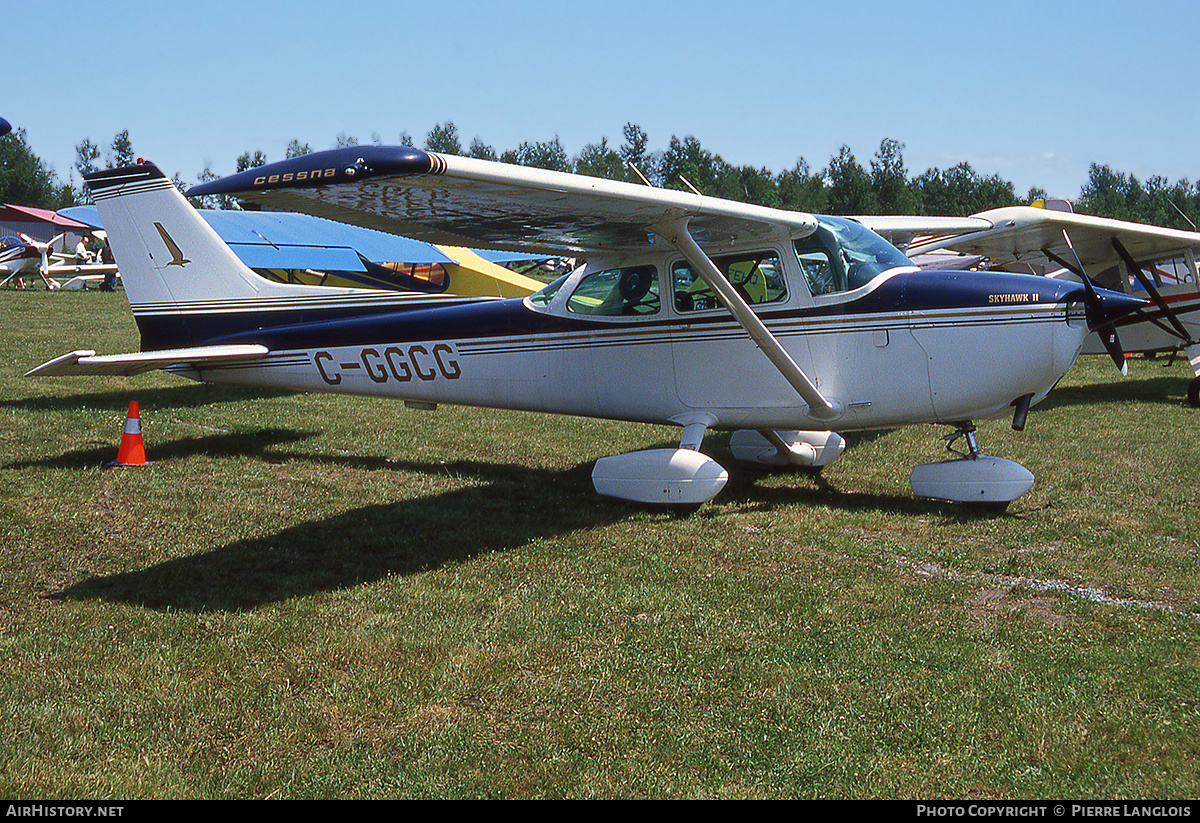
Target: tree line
x=844, y=186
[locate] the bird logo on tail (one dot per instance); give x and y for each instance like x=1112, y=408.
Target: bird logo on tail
x=177, y=258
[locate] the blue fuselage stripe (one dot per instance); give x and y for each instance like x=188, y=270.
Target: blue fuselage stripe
x=327, y=326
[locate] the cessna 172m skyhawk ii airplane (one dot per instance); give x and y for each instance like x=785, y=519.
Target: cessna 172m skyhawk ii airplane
x=1117, y=254
x=690, y=310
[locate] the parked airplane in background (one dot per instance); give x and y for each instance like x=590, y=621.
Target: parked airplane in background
x=692, y=311
x=299, y=248
x=1116, y=254
x=17, y=258
x=23, y=255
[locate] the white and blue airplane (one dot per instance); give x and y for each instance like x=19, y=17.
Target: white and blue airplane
x=1050, y=238
x=783, y=327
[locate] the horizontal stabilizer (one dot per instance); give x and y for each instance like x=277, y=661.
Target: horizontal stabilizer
x=84, y=363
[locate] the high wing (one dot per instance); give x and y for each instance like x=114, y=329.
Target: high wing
x=902, y=230
x=1026, y=234
x=85, y=363
x=460, y=201
x=62, y=269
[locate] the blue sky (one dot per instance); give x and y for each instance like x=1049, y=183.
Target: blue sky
x=1031, y=91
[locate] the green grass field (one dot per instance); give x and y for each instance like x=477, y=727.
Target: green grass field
x=310, y=596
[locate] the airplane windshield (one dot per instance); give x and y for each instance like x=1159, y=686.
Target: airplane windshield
x=842, y=255
x=5, y=242
x=546, y=293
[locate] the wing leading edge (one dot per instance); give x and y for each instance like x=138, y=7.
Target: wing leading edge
x=462, y=201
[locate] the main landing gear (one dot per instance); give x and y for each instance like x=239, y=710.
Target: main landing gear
x=675, y=477
x=685, y=476
x=971, y=477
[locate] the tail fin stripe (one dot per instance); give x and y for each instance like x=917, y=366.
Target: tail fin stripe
x=131, y=188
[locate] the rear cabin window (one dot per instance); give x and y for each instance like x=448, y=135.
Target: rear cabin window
x=617, y=292
x=758, y=278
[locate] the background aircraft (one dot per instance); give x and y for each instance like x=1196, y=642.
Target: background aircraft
x=17, y=258
x=22, y=255
x=1116, y=254
x=302, y=249
x=690, y=311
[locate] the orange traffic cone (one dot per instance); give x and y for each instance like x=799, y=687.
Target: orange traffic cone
x=132, y=452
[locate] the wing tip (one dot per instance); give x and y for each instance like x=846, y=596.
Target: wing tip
x=322, y=168
x=62, y=365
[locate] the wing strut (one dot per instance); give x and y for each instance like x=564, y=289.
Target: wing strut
x=1137, y=272
x=676, y=232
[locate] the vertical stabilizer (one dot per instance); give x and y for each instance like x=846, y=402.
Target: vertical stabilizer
x=167, y=253
x=184, y=284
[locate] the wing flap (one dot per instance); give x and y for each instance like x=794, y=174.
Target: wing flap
x=88, y=363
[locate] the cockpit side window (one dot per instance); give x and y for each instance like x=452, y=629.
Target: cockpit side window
x=820, y=268
x=757, y=277
x=617, y=292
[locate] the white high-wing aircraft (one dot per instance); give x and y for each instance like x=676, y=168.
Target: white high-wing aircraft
x=689, y=310
x=23, y=255
x=1117, y=254
x=17, y=258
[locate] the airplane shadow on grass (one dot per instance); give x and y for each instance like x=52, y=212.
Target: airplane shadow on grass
x=189, y=395
x=233, y=444
x=1169, y=391
x=501, y=507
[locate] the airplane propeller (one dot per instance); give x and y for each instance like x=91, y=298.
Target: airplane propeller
x=44, y=248
x=1099, y=318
